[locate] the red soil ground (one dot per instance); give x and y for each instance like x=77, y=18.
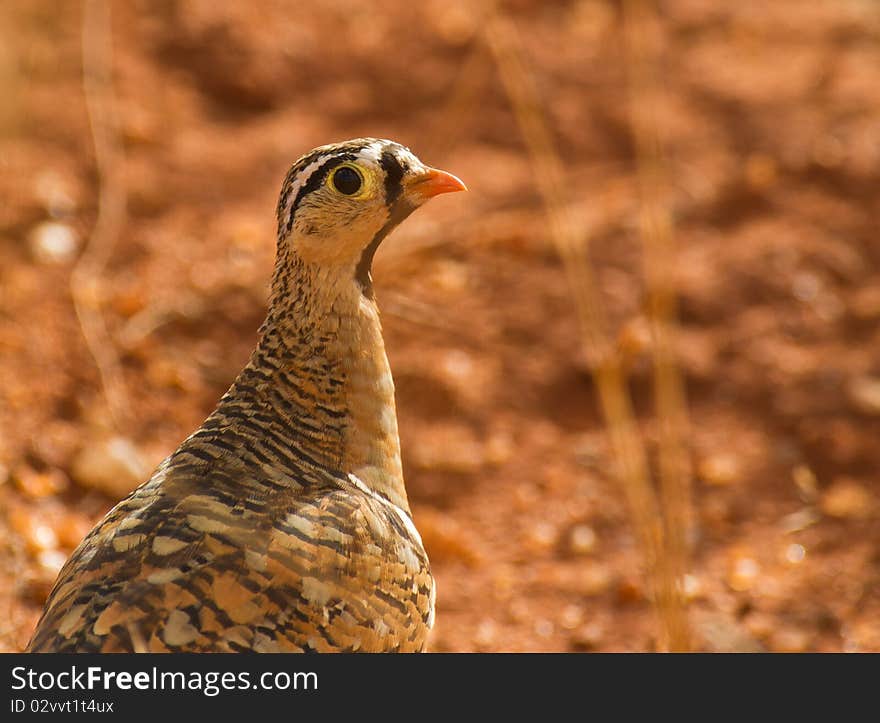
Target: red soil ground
x=770, y=115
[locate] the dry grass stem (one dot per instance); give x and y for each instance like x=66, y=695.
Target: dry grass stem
x=463, y=101
x=86, y=277
x=571, y=240
x=655, y=223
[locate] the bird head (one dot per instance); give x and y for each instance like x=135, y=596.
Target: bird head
x=339, y=201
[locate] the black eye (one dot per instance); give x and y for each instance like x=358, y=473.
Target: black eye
x=347, y=180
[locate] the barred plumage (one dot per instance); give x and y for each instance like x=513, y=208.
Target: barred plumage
x=282, y=523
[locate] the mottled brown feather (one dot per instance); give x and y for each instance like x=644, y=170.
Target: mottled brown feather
x=282, y=523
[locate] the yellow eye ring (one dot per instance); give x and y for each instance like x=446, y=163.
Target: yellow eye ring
x=349, y=180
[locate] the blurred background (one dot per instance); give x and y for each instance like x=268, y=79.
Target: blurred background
x=638, y=365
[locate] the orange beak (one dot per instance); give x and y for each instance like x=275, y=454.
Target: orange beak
x=433, y=182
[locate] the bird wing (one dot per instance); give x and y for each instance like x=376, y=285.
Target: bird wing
x=184, y=565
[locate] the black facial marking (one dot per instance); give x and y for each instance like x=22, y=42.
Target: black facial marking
x=287, y=186
x=393, y=176
x=399, y=211
x=315, y=181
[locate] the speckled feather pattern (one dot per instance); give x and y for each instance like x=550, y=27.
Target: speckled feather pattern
x=282, y=523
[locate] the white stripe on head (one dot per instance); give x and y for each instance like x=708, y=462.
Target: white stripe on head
x=304, y=175
x=372, y=152
x=407, y=158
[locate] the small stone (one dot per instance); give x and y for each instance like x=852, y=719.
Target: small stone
x=572, y=616
x=129, y=300
x=587, y=637
x=36, y=485
x=55, y=194
x=457, y=367
x=52, y=242
x=720, y=469
x=448, y=276
x=629, y=590
x=806, y=483
x=790, y=640
x=848, y=499
x=519, y=611
x=543, y=628
x=743, y=573
x=43, y=538
x=795, y=554
x=584, y=578
x=51, y=561
x=800, y=520
x=541, y=537
x=454, y=23
x=691, y=587
x=588, y=450
x=760, y=625
x=582, y=539
x=634, y=339
x=486, y=633
x=449, y=448
x=717, y=633
x=864, y=394
x=806, y=286
x=37, y=535
x=112, y=466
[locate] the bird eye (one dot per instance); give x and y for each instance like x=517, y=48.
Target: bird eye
x=347, y=180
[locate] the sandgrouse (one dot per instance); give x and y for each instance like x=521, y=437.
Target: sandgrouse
x=282, y=523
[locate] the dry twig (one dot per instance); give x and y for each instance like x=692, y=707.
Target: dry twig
x=85, y=280
x=642, y=48
x=571, y=240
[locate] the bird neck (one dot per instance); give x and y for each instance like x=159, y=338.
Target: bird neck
x=323, y=374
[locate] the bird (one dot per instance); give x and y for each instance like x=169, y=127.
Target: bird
x=282, y=524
